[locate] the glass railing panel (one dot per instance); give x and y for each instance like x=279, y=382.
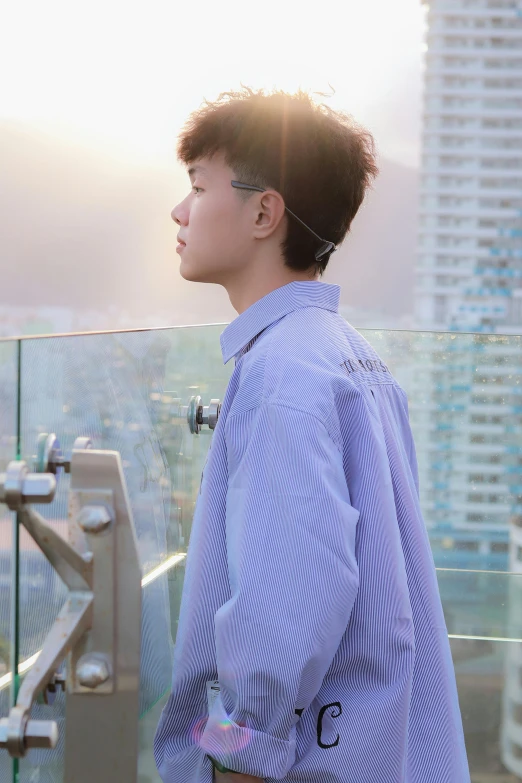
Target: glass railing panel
x=465, y=404
x=8, y=447
x=488, y=682
x=464, y=394
x=121, y=390
x=481, y=604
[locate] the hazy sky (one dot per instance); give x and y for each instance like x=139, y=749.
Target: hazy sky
x=123, y=75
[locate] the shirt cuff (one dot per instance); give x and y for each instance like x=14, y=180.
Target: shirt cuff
x=246, y=750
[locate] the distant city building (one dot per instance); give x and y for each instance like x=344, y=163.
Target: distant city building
x=469, y=270
x=466, y=405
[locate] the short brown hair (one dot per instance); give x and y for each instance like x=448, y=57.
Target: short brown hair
x=318, y=159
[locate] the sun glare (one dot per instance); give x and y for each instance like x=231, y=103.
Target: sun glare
x=129, y=75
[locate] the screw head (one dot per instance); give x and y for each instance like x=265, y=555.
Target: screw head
x=94, y=519
x=92, y=670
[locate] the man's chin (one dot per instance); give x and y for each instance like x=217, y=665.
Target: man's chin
x=185, y=270
x=191, y=272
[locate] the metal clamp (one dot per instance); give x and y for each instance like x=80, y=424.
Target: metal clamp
x=170, y=410
x=17, y=488
x=199, y=414
x=49, y=457
x=99, y=625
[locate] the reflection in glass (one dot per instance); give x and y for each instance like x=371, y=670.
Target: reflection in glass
x=124, y=391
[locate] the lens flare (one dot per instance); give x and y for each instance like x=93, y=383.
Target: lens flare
x=231, y=743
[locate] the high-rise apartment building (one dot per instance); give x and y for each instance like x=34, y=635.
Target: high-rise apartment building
x=469, y=279
x=469, y=272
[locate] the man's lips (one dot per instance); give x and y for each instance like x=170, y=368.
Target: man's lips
x=181, y=244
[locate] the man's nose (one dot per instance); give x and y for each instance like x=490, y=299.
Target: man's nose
x=180, y=214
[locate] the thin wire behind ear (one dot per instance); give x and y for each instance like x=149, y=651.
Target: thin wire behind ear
x=326, y=249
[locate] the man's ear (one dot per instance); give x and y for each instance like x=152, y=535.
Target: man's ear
x=270, y=211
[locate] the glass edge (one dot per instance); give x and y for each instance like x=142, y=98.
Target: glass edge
x=15, y=563
x=28, y=337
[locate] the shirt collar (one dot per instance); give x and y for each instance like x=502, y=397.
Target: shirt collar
x=273, y=306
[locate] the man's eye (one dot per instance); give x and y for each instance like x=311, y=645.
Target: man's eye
x=196, y=189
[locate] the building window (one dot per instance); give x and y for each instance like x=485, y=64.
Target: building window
x=440, y=308
x=467, y=546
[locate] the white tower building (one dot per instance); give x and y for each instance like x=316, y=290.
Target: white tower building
x=469, y=271
x=469, y=279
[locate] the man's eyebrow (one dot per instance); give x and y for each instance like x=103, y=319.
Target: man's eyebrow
x=195, y=170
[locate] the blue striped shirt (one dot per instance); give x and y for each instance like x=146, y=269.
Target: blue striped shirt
x=312, y=646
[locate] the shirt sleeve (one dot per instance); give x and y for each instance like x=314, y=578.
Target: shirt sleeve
x=290, y=546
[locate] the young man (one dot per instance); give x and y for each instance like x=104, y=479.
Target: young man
x=312, y=646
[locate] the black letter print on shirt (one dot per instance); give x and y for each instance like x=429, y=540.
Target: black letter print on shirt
x=320, y=723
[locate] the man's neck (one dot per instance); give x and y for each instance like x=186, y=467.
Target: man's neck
x=243, y=294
